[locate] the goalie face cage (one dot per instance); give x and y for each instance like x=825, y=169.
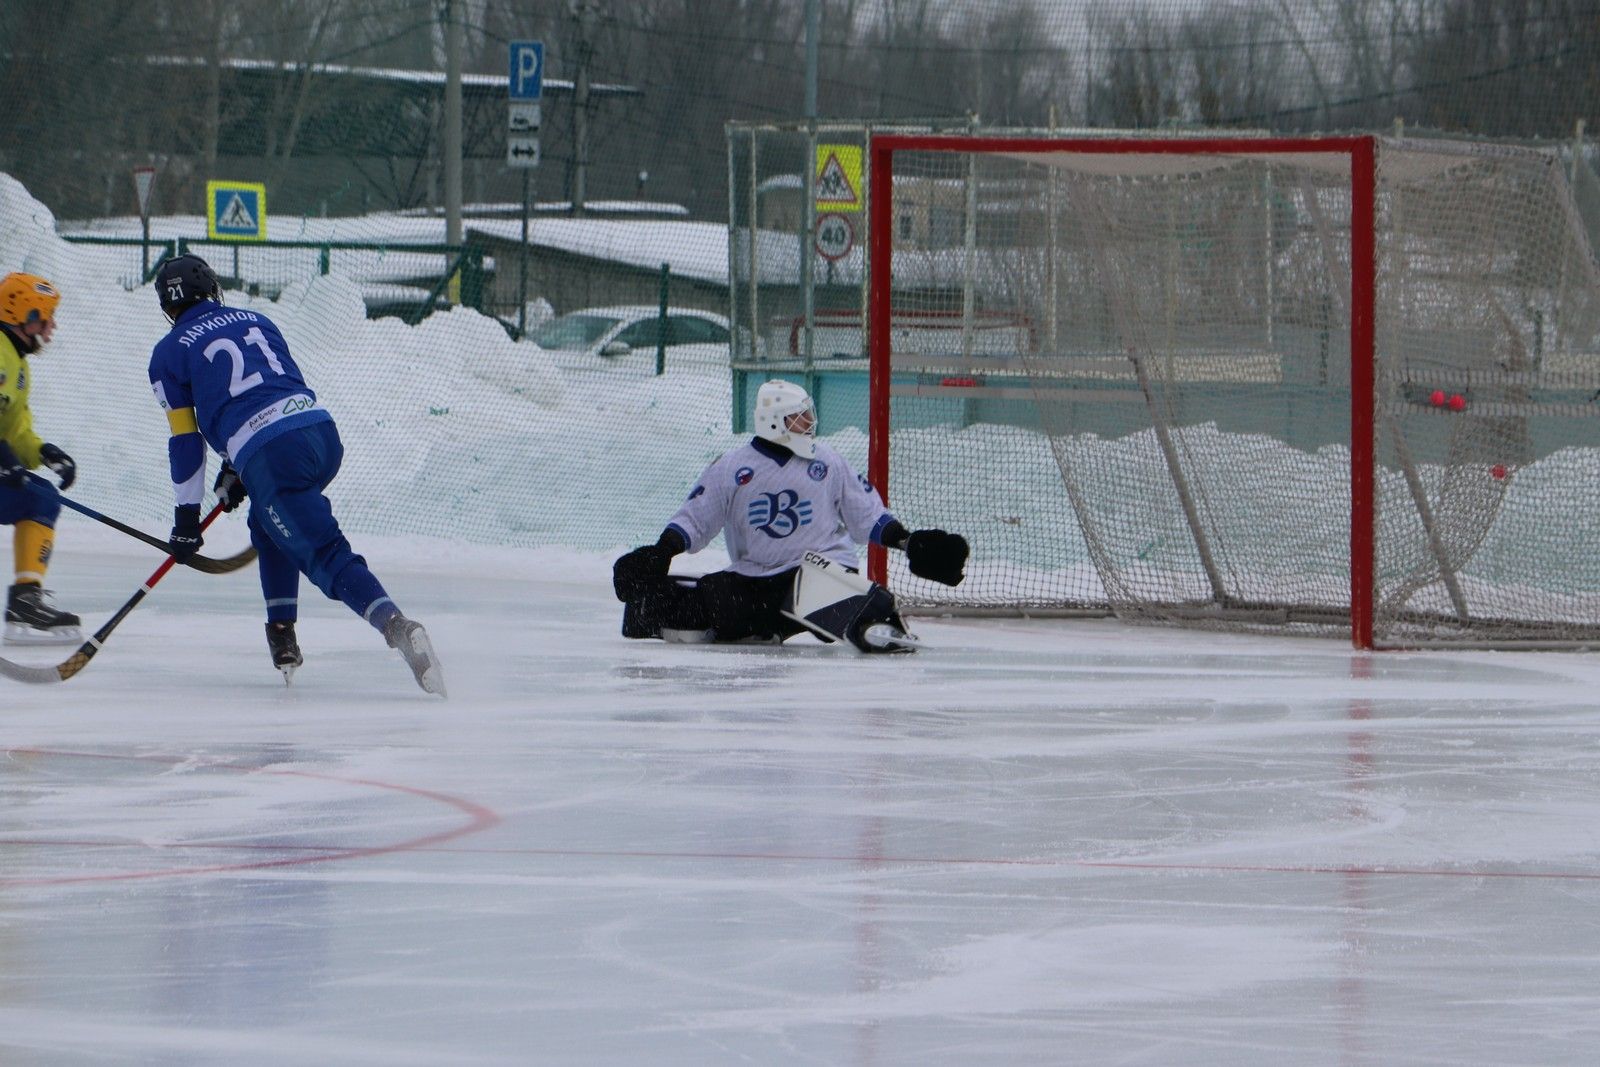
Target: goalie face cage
x=1329, y=384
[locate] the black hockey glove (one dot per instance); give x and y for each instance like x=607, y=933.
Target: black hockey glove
x=637, y=572
x=186, y=538
x=937, y=556
x=13, y=475
x=59, y=462
x=229, y=489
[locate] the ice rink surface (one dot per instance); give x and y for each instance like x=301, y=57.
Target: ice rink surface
x=1035, y=842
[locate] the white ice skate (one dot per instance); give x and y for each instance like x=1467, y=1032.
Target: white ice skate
x=412, y=641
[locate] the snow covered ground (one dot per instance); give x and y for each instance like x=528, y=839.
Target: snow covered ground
x=1036, y=842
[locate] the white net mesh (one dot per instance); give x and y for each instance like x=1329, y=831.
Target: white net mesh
x=1187, y=368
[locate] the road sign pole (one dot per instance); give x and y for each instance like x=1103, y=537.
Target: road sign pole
x=524, y=87
x=144, y=180
x=522, y=289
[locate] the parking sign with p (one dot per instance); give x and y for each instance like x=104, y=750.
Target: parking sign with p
x=527, y=70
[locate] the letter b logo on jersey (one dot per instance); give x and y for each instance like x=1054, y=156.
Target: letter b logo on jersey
x=779, y=514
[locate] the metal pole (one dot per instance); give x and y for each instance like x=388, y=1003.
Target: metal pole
x=580, y=106
x=452, y=125
x=864, y=240
x=1180, y=482
x=813, y=19
x=970, y=244
x=522, y=259
x=1430, y=524
x=807, y=267
x=733, y=248
x=1577, y=152
x=661, y=332
x=755, y=267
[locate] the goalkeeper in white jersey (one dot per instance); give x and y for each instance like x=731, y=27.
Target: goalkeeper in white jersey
x=776, y=500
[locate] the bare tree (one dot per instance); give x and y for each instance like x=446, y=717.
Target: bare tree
x=1023, y=72
x=1138, y=83
x=1522, y=67
x=1237, y=62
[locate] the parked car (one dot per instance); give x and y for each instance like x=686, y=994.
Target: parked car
x=599, y=335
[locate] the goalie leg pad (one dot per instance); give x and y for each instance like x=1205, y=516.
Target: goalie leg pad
x=741, y=608
x=721, y=607
x=838, y=604
x=670, y=604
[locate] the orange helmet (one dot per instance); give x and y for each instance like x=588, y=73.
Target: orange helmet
x=26, y=298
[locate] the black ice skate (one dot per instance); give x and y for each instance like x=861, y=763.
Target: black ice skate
x=30, y=621
x=284, y=648
x=412, y=641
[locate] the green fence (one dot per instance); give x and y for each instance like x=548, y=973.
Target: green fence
x=407, y=280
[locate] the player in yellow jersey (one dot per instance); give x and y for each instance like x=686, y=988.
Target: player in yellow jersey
x=30, y=505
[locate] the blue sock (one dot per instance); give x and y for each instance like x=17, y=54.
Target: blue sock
x=360, y=591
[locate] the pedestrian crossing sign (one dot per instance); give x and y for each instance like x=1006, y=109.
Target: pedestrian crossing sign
x=236, y=211
x=838, y=177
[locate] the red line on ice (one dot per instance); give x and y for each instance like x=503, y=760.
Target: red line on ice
x=479, y=818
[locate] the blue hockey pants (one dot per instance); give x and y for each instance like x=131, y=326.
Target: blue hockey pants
x=294, y=531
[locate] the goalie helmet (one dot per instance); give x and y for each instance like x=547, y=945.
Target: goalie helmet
x=26, y=298
x=785, y=416
x=185, y=281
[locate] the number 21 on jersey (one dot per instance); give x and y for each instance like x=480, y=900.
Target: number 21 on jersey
x=240, y=381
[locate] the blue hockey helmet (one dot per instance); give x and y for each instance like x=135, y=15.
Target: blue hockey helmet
x=184, y=281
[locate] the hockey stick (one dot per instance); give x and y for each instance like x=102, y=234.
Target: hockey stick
x=86, y=651
x=205, y=564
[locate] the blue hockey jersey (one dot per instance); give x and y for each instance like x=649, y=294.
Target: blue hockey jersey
x=226, y=374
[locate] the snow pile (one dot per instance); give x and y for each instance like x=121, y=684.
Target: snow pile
x=451, y=429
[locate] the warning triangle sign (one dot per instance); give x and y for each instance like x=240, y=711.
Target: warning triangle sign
x=833, y=185
x=236, y=216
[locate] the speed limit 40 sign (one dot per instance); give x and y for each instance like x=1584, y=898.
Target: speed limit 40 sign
x=835, y=237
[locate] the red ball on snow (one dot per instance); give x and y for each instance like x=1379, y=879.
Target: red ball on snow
x=1437, y=399
x=1458, y=402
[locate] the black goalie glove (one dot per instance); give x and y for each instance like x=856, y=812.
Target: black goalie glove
x=637, y=573
x=640, y=572
x=937, y=556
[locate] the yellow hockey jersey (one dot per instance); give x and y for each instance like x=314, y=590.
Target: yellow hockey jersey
x=16, y=421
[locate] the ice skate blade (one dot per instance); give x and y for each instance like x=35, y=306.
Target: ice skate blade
x=288, y=670
x=418, y=652
x=22, y=634
x=885, y=638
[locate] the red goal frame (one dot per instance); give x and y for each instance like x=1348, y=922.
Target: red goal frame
x=1361, y=151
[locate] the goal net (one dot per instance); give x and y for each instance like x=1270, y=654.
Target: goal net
x=1335, y=384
